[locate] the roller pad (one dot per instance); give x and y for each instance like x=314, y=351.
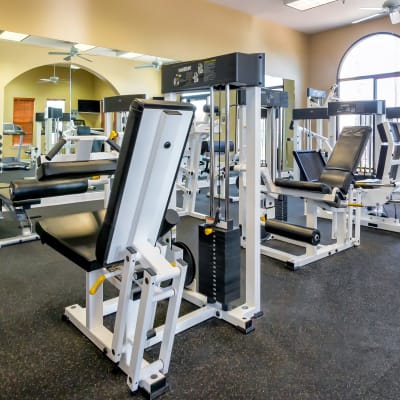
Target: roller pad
x=33, y=189
x=75, y=169
x=295, y=232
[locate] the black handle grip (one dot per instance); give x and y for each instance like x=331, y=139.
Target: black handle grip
x=55, y=149
x=113, y=145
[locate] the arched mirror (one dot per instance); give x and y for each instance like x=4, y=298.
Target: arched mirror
x=45, y=101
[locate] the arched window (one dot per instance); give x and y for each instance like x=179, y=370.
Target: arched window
x=370, y=70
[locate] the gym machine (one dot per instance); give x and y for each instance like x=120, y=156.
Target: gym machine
x=333, y=192
x=377, y=177
x=217, y=284
x=10, y=163
x=116, y=109
x=124, y=245
x=273, y=103
x=51, y=127
x=381, y=194
x=189, y=171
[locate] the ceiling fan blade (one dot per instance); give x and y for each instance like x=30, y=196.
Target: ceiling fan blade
x=144, y=66
x=84, y=58
x=367, y=18
x=68, y=58
x=58, y=53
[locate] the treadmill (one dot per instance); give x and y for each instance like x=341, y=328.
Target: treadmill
x=9, y=163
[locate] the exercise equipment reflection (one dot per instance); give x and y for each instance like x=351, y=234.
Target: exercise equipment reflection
x=9, y=163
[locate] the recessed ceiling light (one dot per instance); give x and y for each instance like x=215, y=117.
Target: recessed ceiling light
x=14, y=36
x=83, y=47
x=73, y=66
x=303, y=5
x=130, y=55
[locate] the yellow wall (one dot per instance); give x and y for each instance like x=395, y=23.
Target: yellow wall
x=327, y=49
x=177, y=29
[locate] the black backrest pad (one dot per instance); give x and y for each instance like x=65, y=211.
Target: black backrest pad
x=345, y=157
x=127, y=184
x=349, y=148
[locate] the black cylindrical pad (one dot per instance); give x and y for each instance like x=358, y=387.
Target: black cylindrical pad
x=295, y=232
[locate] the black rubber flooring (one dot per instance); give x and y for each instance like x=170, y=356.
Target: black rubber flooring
x=329, y=331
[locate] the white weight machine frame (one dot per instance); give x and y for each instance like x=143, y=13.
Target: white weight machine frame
x=388, y=188
x=242, y=315
x=344, y=220
x=133, y=259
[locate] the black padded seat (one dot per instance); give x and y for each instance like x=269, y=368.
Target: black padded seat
x=341, y=167
x=92, y=239
x=302, y=185
x=74, y=236
x=75, y=169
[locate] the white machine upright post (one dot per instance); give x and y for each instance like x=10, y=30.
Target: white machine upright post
x=242, y=131
x=253, y=197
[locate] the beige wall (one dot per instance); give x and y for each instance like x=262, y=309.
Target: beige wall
x=177, y=29
x=327, y=49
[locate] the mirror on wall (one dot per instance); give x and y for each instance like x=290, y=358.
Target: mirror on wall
x=285, y=133
x=29, y=102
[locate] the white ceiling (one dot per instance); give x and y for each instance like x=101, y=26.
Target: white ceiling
x=61, y=45
x=329, y=16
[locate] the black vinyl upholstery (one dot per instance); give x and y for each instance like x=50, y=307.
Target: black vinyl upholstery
x=341, y=167
x=295, y=232
x=74, y=236
x=32, y=189
x=303, y=185
x=85, y=238
x=75, y=169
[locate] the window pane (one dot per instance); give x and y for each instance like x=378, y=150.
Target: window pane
x=356, y=90
x=389, y=90
x=375, y=54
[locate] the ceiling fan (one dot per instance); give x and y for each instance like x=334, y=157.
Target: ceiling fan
x=54, y=79
x=156, y=64
x=389, y=7
x=74, y=52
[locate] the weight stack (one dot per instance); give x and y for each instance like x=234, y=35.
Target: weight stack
x=219, y=265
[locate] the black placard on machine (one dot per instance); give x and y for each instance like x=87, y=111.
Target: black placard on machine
x=120, y=103
x=392, y=112
x=269, y=98
x=235, y=69
x=361, y=107
x=310, y=113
